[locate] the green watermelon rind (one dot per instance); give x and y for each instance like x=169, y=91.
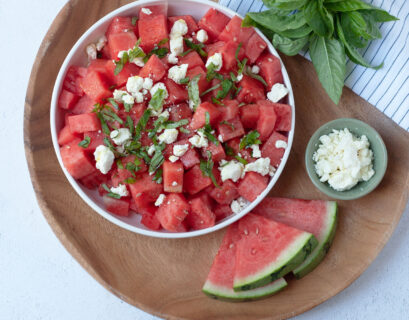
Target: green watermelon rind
x=227, y=294
x=319, y=253
x=289, y=259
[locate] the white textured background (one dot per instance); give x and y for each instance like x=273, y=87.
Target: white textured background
x=40, y=280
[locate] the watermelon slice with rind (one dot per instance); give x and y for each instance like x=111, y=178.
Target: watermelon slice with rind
x=267, y=251
x=219, y=283
x=315, y=216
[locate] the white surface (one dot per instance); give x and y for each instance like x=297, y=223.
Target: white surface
x=40, y=280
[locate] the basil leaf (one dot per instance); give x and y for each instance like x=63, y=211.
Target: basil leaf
x=274, y=22
x=157, y=100
x=231, y=125
x=197, y=47
x=371, y=25
x=380, y=15
x=110, y=193
x=297, y=33
x=209, y=90
x=353, y=30
x=177, y=124
x=211, y=72
x=134, y=20
x=119, y=163
x=229, y=150
x=207, y=168
x=347, y=5
x=249, y=139
x=111, y=116
x=285, y=4
x=160, y=52
x=143, y=121
x=129, y=180
x=157, y=158
x=85, y=143
x=114, y=103
x=208, y=130
x=129, y=124
x=289, y=46
x=226, y=85
x=186, y=52
x=250, y=74
x=158, y=176
x=184, y=80
x=328, y=57
x=318, y=18
x=193, y=91
x=352, y=53
x=162, y=42
x=241, y=160
x=104, y=125
x=128, y=56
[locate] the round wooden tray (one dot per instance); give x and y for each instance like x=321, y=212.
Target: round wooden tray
x=164, y=277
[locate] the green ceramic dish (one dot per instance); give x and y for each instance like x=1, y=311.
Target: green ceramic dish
x=357, y=128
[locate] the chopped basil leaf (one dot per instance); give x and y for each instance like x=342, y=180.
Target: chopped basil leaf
x=85, y=143
x=247, y=71
x=129, y=56
x=104, y=125
x=226, y=87
x=229, y=150
x=160, y=52
x=241, y=160
x=210, y=89
x=158, y=176
x=129, y=124
x=128, y=107
x=112, y=87
x=186, y=52
x=240, y=64
x=231, y=125
x=237, y=92
x=113, y=102
x=129, y=180
x=193, y=91
x=142, y=155
x=208, y=131
x=157, y=158
x=211, y=71
x=250, y=139
x=110, y=193
x=110, y=115
x=176, y=124
x=184, y=130
x=119, y=163
x=157, y=100
x=184, y=80
x=162, y=42
x=197, y=47
x=233, y=77
x=217, y=101
x=242, y=104
x=134, y=20
x=143, y=121
x=207, y=168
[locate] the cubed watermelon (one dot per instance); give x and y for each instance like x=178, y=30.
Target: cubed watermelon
x=144, y=186
x=65, y=135
x=149, y=218
x=152, y=31
x=129, y=70
x=229, y=110
x=199, y=117
x=212, y=48
x=94, y=180
x=96, y=86
x=235, y=32
x=67, y=100
x=173, y=211
x=84, y=122
x=190, y=159
x=119, y=207
x=213, y=22
x=283, y=112
x=233, y=129
x=203, y=83
x=96, y=139
x=176, y=92
x=228, y=52
x=252, y=90
x=194, y=180
x=217, y=151
x=173, y=176
x=72, y=80
x=222, y=211
x=270, y=150
x=121, y=24
x=75, y=160
x=270, y=69
x=226, y=193
x=84, y=105
x=249, y=115
x=192, y=59
x=122, y=41
x=267, y=119
x=252, y=185
x=190, y=21
x=153, y=11
x=179, y=112
x=200, y=216
x=154, y=69
x=254, y=47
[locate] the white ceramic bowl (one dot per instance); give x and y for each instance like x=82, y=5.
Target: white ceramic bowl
x=77, y=56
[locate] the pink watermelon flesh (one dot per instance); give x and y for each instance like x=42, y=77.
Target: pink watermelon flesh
x=219, y=282
x=267, y=251
x=314, y=216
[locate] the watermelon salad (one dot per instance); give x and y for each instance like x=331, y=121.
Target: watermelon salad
x=181, y=121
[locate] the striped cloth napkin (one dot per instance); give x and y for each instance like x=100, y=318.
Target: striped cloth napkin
x=388, y=88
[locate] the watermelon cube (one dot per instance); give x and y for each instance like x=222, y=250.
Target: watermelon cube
x=65, y=135
x=235, y=32
x=84, y=105
x=213, y=22
x=67, y=99
x=122, y=41
x=252, y=185
x=195, y=181
x=254, y=47
x=173, y=176
x=226, y=193
x=283, y=112
x=270, y=150
x=222, y=211
x=72, y=80
x=190, y=159
x=154, y=69
x=94, y=180
x=270, y=69
x=230, y=110
x=190, y=21
x=152, y=31
x=96, y=86
x=199, y=117
x=121, y=24
x=154, y=11
x=119, y=207
x=96, y=139
x=201, y=216
x=179, y=112
x=149, y=218
x=267, y=119
x=176, y=92
x=129, y=70
x=228, y=52
x=249, y=115
x=212, y=48
x=173, y=211
x=192, y=59
x=232, y=130
x=217, y=151
x=145, y=187
x=252, y=90
x=84, y=122
x=203, y=83
x=75, y=160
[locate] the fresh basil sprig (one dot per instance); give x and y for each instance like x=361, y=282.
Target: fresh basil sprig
x=207, y=168
x=331, y=29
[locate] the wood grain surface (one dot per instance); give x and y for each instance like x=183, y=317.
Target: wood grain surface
x=164, y=277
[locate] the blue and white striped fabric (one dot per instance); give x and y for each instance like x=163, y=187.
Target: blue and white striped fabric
x=388, y=88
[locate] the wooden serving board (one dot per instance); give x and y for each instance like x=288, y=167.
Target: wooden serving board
x=164, y=277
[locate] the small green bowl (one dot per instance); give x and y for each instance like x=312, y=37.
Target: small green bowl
x=358, y=128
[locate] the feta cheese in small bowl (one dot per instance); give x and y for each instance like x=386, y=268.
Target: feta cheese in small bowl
x=346, y=159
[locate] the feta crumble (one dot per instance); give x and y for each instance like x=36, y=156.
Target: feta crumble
x=217, y=60
x=179, y=28
x=101, y=43
x=118, y=94
x=134, y=84
x=160, y=200
x=281, y=144
x=120, y=190
x=239, y=204
x=343, y=159
x=157, y=86
x=120, y=136
x=147, y=83
x=261, y=166
x=180, y=149
x=173, y=158
x=177, y=73
x=255, y=69
x=199, y=140
x=202, y=36
x=172, y=59
x=169, y=136
x=277, y=92
x=146, y=11
x=174, y=184
x=256, y=153
x=91, y=51
x=176, y=45
x=138, y=61
x=232, y=170
x=104, y=158
x=151, y=150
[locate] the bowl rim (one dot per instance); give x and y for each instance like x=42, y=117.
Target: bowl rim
x=112, y=218
x=326, y=188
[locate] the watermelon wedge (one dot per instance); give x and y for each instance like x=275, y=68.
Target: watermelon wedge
x=219, y=283
x=315, y=216
x=267, y=251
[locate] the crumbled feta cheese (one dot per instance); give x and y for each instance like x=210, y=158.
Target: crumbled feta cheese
x=169, y=136
x=138, y=97
x=157, y=86
x=146, y=11
x=261, y=166
x=232, y=170
x=180, y=149
x=118, y=94
x=256, y=151
x=101, y=43
x=239, y=77
x=138, y=61
x=160, y=200
x=134, y=84
x=343, y=160
x=202, y=36
x=174, y=184
x=172, y=59
x=176, y=45
x=220, y=138
x=179, y=29
x=104, y=158
x=277, y=92
x=216, y=59
x=177, y=73
x=281, y=144
x=199, y=140
x=192, y=104
x=255, y=69
x=121, y=53
x=120, y=190
x=91, y=50
x=173, y=158
x=128, y=99
x=165, y=114
x=151, y=150
x=147, y=83
x=120, y=136
x=239, y=204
